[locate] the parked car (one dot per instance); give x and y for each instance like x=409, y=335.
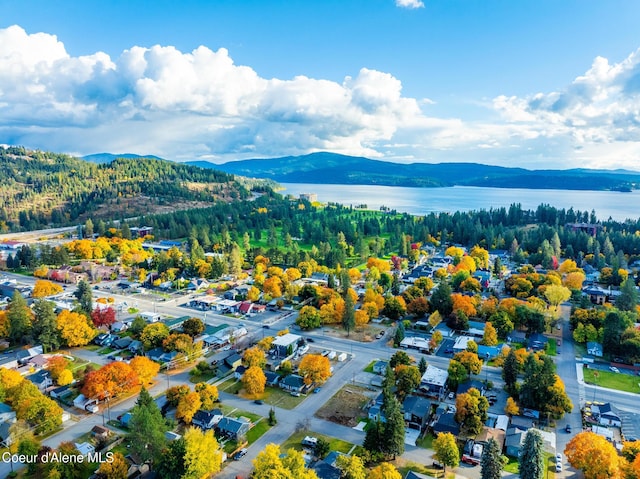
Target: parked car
x=316, y=390
x=295, y=394
x=568, y=428
x=310, y=340
x=258, y=401
x=558, y=458
x=240, y=454
x=614, y=369
x=558, y=467
x=452, y=395
x=448, y=351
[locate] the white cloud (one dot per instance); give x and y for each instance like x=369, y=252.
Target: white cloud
x=200, y=104
x=409, y=3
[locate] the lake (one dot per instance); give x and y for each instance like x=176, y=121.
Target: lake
x=420, y=201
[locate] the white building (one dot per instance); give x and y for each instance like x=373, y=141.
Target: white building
x=434, y=380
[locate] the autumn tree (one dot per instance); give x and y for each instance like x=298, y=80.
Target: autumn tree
x=116, y=468
x=193, y=327
x=384, y=470
x=556, y=294
x=43, y=288
x=208, y=395
x=254, y=381
x=511, y=408
x=254, y=357
x=532, y=456
x=418, y=307
x=309, y=318
x=574, y=280
x=203, y=455
x=145, y=368
x=407, y=379
x=75, y=329
x=110, y=380
x=56, y=365
x=446, y=450
x=491, y=461
x=103, y=316
x=471, y=361
x=490, y=336
x=175, y=393
x=314, y=368
x=400, y=357
x=271, y=464
x=188, y=406
x=594, y=456
x=153, y=335
x=352, y=466
x=471, y=411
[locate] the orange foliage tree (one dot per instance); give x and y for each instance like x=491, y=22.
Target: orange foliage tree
x=315, y=368
x=145, y=368
x=465, y=304
x=110, y=380
x=188, y=406
x=57, y=364
x=44, y=288
x=594, y=456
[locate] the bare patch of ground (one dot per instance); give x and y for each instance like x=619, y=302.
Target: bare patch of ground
x=346, y=407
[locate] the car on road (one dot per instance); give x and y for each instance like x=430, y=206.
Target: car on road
x=380, y=334
x=258, y=401
x=558, y=458
x=558, y=467
x=311, y=340
x=240, y=454
x=568, y=428
x=614, y=369
x=316, y=390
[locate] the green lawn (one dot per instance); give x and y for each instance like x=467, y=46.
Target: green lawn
x=257, y=431
x=200, y=378
x=611, y=380
x=231, y=385
x=549, y=459
x=294, y=441
x=422, y=469
x=280, y=398
x=425, y=441
x=369, y=368
x=552, y=347
x=512, y=466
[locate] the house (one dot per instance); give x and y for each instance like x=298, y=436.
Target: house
x=285, y=345
x=42, y=379
x=461, y=343
x=489, y=433
x=136, y=346
x=85, y=448
x=6, y=413
x=245, y=307
x=605, y=415
x=416, y=411
x=100, y=432
x=594, y=349
x=233, y=361
x=207, y=419
x=489, y=352
x=417, y=475
x=375, y=413
x=416, y=342
x=5, y=434
x=515, y=439
x=380, y=367
x=125, y=418
x=433, y=381
x=446, y=423
x=537, y=341
x=324, y=470
x=25, y=355
x=122, y=343
x=175, y=323
x=272, y=378
x=239, y=372
x=476, y=329
x=292, y=382
x=172, y=436
x=233, y=428
x=522, y=422
x=118, y=327
x=60, y=392
x=468, y=384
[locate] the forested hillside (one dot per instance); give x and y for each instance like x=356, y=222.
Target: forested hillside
x=41, y=189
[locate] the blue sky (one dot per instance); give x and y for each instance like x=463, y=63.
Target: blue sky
x=544, y=84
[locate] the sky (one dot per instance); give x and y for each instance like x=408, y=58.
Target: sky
x=535, y=84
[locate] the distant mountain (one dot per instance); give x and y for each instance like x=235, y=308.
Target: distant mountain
x=332, y=168
x=101, y=158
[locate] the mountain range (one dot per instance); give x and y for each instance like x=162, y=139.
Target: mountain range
x=332, y=168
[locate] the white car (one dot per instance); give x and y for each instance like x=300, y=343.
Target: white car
x=558, y=458
x=614, y=369
x=452, y=395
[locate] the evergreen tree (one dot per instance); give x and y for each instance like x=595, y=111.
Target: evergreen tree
x=422, y=365
x=628, y=299
x=441, y=299
x=19, y=316
x=272, y=417
x=45, y=327
x=373, y=437
x=491, y=461
x=614, y=325
x=510, y=370
x=84, y=297
x=399, y=334
x=532, y=457
x=349, y=315
x=394, y=428
x=171, y=463
x=147, y=428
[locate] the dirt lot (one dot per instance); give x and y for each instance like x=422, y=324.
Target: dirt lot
x=346, y=406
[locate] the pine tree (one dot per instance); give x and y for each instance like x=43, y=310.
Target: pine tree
x=399, y=334
x=628, y=299
x=373, y=437
x=532, y=457
x=422, y=365
x=510, y=370
x=84, y=297
x=348, y=317
x=147, y=428
x=45, y=325
x=19, y=316
x=393, y=429
x=441, y=300
x=491, y=461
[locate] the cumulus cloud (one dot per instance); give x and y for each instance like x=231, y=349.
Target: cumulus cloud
x=409, y=4
x=200, y=104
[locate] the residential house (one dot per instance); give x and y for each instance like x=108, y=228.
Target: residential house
x=515, y=439
x=446, y=423
x=292, y=382
x=42, y=379
x=233, y=361
x=85, y=448
x=489, y=352
x=125, y=418
x=175, y=323
x=605, y=415
x=523, y=422
x=5, y=434
x=239, y=372
x=101, y=433
x=380, y=367
x=60, y=392
x=417, y=475
x=476, y=329
x=489, y=433
x=233, y=428
x=375, y=413
x=461, y=343
x=468, y=384
x=433, y=381
x=119, y=327
x=416, y=411
x=245, y=307
x=272, y=378
x=122, y=343
x=136, y=346
x=285, y=345
x=324, y=470
x=537, y=341
x=594, y=349
x=207, y=419
x=172, y=436
x=6, y=413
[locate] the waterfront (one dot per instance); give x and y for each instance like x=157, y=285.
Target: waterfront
x=420, y=201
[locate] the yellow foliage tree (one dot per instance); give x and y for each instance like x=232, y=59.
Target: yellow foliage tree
x=362, y=317
x=253, y=294
x=480, y=256
x=44, y=288
x=466, y=264
x=270, y=464
x=594, y=456
x=65, y=378
x=116, y=468
x=202, y=455
x=9, y=378
x=265, y=343
x=556, y=294
x=511, y=408
x=574, y=280
x=315, y=368
x=4, y=324
x=381, y=265
x=385, y=470
x=465, y=304
x=568, y=266
x=145, y=368
x=75, y=329
x=208, y=395
x=254, y=381
x=188, y=406
x=490, y=337
x=254, y=357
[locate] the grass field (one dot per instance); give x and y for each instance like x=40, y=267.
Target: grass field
x=611, y=380
x=294, y=441
x=369, y=368
x=425, y=441
x=552, y=347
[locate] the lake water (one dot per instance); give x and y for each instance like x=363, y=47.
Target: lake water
x=420, y=201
